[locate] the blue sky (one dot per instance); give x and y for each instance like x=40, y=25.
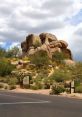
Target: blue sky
x=62, y=18
x=76, y=19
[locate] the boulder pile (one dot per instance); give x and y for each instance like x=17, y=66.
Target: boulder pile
x=45, y=41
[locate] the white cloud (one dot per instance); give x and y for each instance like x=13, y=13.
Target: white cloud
x=14, y=44
x=18, y=18
x=2, y=44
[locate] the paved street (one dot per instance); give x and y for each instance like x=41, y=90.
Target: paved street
x=34, y=105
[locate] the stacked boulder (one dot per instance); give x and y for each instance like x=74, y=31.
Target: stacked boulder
x=45, y=41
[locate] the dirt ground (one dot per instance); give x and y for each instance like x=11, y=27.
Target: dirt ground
x=46, y=92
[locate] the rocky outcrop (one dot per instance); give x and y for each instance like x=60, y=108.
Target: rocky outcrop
x=32, y=40
x=47, y=42
x=47, y=38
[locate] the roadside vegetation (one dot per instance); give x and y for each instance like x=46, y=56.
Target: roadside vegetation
x=39, y=68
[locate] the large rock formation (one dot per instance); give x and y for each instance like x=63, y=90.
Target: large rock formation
x=45, y=41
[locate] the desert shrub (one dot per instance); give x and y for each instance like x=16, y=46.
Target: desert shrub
x=33, y=87
x=59, y=79
x=57, y=90
x=77, y=82
x=5, y=68
x=13, y=81
x=58, y=57
x=46, y=83
x=4, y=79
x=11, y=87
x=46, y=86
x=78, y=89
x=38, y=84
x=6, y=87
x=40, y=58
x=26, y=86
x=37, y=43
x=58, y=76
x=1, y=86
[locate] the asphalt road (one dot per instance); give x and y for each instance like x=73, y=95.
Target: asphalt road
x=34, y=105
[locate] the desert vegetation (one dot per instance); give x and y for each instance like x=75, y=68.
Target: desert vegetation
x=38, y=67
x=45, y=63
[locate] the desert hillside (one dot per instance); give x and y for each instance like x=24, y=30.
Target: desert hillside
x=45, y=63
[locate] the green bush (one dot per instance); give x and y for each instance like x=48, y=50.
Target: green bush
x=13, y=81
x=5, y=68
x=46, y=86
x=38, y=85
x=40, y=58
x=59, y=79
x=77, y=82
x=37, y=43
x=58, y=57
x=57, y=90
x=11, y=87
x=58, y=76
x=78, y=89
x=33, y=87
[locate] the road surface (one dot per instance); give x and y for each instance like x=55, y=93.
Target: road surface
x=35, y=105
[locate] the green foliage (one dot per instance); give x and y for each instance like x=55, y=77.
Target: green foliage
x=75, y=71
x=37, y=82
x=77, y=82
x=13, y=52
x=11, y=87
x=4, y=79
x=2, y=52
x=60, y=75
x=58, y=57
x=46, y=86
x=57, y=90
x=5, y=68
x=13, y=81
x=40, y=58
x=78, y=89
x=33, y=87
x=37, y=44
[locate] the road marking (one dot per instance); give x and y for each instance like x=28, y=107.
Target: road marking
x=18, y=103
x=37, y=100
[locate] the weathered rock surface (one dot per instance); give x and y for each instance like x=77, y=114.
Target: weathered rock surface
x=47, y=38
x=45, y=41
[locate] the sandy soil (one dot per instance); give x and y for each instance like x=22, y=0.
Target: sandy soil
x=18, y=90
x=46, y=92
